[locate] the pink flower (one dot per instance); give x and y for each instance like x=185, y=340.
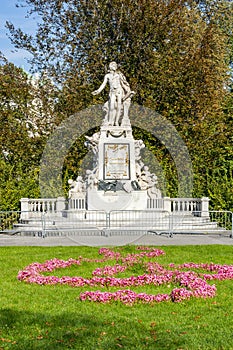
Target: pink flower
x=189, y=283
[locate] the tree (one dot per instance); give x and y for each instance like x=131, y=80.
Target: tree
x=25, y=121
x=177, y=55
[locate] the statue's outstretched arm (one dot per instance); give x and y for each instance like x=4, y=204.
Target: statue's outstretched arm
x=102, y=86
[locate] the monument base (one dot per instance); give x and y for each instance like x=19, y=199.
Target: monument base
x=119, y=200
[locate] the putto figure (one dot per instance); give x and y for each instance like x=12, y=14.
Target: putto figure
x=119, y=95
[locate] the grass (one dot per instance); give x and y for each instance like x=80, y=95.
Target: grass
x=36, y=317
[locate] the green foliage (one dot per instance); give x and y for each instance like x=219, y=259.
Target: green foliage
x=177, y=57
x=49, y=317
x=17, y=183
x=24, y=123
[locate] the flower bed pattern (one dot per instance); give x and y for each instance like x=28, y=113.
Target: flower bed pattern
x=188, y=283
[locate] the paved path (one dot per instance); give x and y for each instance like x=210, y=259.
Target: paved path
x=159, y=240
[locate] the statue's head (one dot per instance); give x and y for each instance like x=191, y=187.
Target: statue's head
x=113, y=66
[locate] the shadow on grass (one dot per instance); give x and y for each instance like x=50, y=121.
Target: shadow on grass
x=33, y=331
x=43, y=331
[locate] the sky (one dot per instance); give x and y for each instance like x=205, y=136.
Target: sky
x=9, y=12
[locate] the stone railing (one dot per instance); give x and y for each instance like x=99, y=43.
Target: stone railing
x=196, y=206
x=77, y=201
x=32, y=208
x=155, y=203
x=35, y=207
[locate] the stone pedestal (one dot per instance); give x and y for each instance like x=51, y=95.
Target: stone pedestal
x=119, y=200
x=117, y=186
x=116, y=154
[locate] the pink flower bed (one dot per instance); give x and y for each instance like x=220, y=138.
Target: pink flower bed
x=188, y=283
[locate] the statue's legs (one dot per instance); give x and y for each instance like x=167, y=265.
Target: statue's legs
x=112, y=109
x=118, y=107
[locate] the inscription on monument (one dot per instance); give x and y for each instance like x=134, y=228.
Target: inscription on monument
x=116, y=161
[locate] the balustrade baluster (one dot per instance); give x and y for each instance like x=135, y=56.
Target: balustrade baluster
x=181, y=205
x=43, y=207
x=30, y=206
x=52, y=206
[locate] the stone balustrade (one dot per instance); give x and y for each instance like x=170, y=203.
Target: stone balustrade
x=77, y=201
x=186, y=204
x=35, y=207
x=155, y=203
x=196, y=206
x=32, y=208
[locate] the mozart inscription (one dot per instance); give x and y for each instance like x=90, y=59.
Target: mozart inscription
x=116, y=161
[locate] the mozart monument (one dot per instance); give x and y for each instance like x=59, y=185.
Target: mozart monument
x=119, y=180
x=117, y=189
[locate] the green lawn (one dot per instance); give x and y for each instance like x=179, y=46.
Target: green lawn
x=53, y=317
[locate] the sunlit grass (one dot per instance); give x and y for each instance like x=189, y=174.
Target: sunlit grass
x=53, y=317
